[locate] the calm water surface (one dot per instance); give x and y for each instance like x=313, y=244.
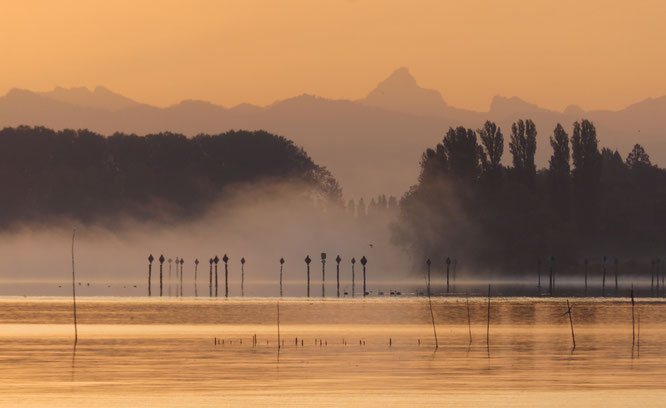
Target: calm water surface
x=379, y=352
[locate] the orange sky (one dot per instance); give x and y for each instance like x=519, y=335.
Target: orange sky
x=598, y=54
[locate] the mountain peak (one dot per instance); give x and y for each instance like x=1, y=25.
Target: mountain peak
x=400, y=92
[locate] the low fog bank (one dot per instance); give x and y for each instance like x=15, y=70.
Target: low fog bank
x=260, y=222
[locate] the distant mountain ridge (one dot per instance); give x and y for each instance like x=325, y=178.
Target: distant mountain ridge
x=372, y=145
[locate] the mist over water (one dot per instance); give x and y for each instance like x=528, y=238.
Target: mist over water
x=260, y=222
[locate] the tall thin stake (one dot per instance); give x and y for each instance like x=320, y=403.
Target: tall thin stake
x=76, y=330
x=469, y=320
x=573, y=338
x=633, y=319
x=488, y=325
x=432, y=315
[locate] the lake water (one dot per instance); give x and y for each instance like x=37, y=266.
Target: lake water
x=373, y=352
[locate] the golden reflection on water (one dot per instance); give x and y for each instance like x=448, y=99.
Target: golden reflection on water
x=140, y=352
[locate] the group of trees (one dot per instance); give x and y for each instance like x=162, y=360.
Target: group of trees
x=380, y=205
x=588, y=202
x=81, y=174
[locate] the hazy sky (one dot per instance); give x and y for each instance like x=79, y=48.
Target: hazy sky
x=598, y=54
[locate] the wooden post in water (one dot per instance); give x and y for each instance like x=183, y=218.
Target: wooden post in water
x=225, y=258
x=323, y=274
x=469, y=320
x=76, y=329
x=616, y=262
x=196, y=268
x=573, y=338
x=281, y=263
x=448, y=264
x=539, y=274
x=603, y=279
x=353, y=262
x=488, y=324
x=586, y=262
x=210, y=278
x=150, y=272
x=432, y=314
x=242, y=277
x=633, y=318
x=307, y=263
x=216, y=260
x=161, y=264
x=337, y=272
x=181, y=276
x=363, y=262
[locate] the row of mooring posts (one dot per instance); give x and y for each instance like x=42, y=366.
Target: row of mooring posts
x=656, y=276
x=179, y=274
x=213, y=264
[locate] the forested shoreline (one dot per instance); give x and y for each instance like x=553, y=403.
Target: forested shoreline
x=47, y=174
x=590, y=203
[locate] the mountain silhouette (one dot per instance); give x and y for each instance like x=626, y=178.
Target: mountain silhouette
x=100, y=98
x=372, y=146
x=400, y=92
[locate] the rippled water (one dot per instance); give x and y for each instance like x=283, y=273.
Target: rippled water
x=379, y=352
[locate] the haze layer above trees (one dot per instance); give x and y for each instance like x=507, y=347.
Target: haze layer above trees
x=371, y=145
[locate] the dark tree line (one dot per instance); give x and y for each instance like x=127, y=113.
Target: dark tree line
x=588, y=202
x=80, y=174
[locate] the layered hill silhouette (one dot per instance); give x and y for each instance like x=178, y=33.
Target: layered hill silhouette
x=372, y=145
